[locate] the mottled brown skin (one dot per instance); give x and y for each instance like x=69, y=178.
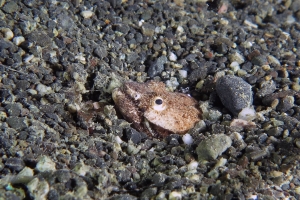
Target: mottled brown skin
x=153, y=110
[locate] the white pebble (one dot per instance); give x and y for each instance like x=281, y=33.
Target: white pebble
x=237, y=136
x=234, y=66
x=247, y=114
x=180, y=29
x=80, y=58
x=43, y=89
x=172, y=83
x=236, y=57
x=28, y=58
x=8, y=34
x=176, y=65
x=241, y=123
x=45, y=164
x=250, y=24
x=247, y=44
x=221, y=162
x=118, y=140
x=18, y=40
x=187, y=139
x=141, y=22
x=158, y=30
x=273, y=60
x=193, y=165
x=182, y=73
x=175, y=195
x=172, y=57
x=86, y=14
x=252, y=196
x=32, y=91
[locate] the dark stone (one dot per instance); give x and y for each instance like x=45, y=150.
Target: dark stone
x=285, y=104
x=217, y=190
x=275, y=131
x=60, y=43
x=173, y=139
x=39, y=38
x=222, y=48
x=139, y=37
x=148, y=193
x=123, y=28
x=52, y=116
x=14, y=109
x=51, y=24
x=17, y=58
x=159, y=179
x=191, y=57
x=174, y=184
x=234, y=93
x=5, y=44
x=5, y=142
x=268, y=99
x=268, y=87
x=65, y=21
x=247, y=66
x=259, y=60
x=148, y=29
x=198, y=74
x=101, y=52
x=130, y=186
x=15, y=164
x=133, y=135
x=87, y=22
x=132, y=57
x=262, y=138
x=123, y=176
x=140, y=68
x=157, y=66
x=62, y=175
x=10, y=195
x=115, y=3
x=10, y=7
x=22, y=84
x=53, y=195
x=7, y=81
x=17, y=123
x=123, y=197
x=23, y=135
x=100, y=162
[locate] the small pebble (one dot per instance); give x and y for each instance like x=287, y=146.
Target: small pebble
x=187, y=139
x=235, y=93
x=172, y=57
x=86, y=14
x=38, y=189
x=247, y=114
x=175, y=195
x=236, y=57
x=234, y=66
x=43, y=89
x=213, y=146
x=8, y=34
x=15, y=164
x=45, y=164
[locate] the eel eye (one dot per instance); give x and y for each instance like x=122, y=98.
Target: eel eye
x=158, y=104
x=158, y=101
